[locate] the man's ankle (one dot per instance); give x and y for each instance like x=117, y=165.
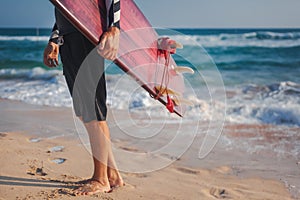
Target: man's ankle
x=102, y=181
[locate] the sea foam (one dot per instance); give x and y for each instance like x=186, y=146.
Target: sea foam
x=24, y=38
x=276, y=103
x=251, y=39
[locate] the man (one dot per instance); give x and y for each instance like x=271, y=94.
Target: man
x=73, y=51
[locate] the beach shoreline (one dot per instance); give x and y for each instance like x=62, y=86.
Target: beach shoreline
x=30, y=169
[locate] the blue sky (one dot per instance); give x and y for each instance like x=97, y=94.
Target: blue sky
x=173, y=13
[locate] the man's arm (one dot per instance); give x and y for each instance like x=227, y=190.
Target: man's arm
x=114, y=13
x=52, y=49
x=109, y=42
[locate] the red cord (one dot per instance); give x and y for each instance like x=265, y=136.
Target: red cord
x=165, y=51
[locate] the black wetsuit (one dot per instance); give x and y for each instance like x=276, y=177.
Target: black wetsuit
x=85, y=80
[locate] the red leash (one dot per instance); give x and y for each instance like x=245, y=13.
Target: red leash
x=165, y=47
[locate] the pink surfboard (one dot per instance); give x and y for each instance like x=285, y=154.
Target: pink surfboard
x=138, y=53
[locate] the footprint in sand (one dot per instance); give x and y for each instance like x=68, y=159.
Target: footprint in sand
x=37, y=172
x=35, y=140
x=130, y=149
x=219, y=193
x=34, y=170
x=3, y=135
x=170, y=157
x=137, y=175
x=58, y=160
x=187, y=170
x=56, y=149
x=223, y=170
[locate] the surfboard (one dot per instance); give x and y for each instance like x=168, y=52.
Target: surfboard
x=139, y=54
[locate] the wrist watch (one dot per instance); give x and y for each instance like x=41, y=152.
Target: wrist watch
x=55, y=38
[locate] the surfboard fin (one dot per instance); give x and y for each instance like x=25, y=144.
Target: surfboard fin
x=164, y=91
x=180, y=69
x=178, y=45
x=180, y=101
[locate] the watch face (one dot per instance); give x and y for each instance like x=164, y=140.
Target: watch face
x=60, y=40
x=54, y=34
x=57, y=40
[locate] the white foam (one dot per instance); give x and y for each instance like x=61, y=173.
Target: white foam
x=272, y=35
x=36, y=86
x=273, y=104
x=35, y=73
x=252, y=39
x=24, y=38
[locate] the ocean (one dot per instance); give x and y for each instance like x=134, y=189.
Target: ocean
x=260, y=70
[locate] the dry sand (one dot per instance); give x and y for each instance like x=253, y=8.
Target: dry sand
x=27, y=169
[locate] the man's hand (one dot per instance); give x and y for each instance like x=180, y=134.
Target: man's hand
x=51, y=55
x=109, y=43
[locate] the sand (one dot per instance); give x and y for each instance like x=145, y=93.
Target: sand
x=28, y=171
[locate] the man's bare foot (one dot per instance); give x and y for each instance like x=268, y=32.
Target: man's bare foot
x=84, y=181
x=115, y=179
x=92, y=187
x=116, y=183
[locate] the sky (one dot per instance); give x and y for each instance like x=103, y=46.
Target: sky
x=173, y=13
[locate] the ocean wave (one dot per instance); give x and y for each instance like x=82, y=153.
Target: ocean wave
x=276, y=103
x=267, y=35
x=285, y=88
x=24, y=38
x=36, y=86
x=251, y=39
x=29, y=74
x=243, y=64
